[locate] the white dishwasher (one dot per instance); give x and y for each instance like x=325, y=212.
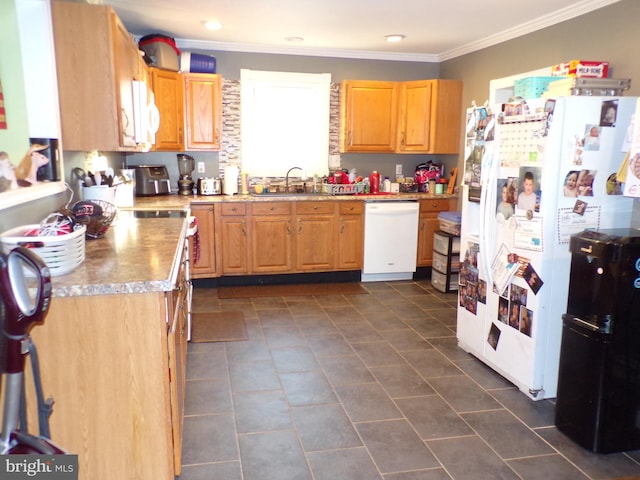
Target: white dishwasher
x=390, y=240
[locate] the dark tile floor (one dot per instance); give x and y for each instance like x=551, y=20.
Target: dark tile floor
x=363, y=387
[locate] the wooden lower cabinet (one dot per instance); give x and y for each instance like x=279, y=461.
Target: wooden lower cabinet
x=350, y=237
x=315, y=236
x=206, y=265
x=271, y=237
x=234, y=233
x=123, y=356
x=428, y=224
x=289, y=237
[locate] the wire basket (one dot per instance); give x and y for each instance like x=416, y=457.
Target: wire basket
x=96, y=215
x=343, y=188
x=61, y=253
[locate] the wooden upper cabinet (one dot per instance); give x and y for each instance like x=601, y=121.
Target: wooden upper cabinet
x=421, y=116
x=96, y=62
x=429, y=116
x=203, y=111
x=368, y=116
x=169, y=98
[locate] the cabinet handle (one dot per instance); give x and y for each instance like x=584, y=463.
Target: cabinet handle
x=350, y=136
x=244, y=229
x=217, y=138
x=299, y=226
x=402, y=139
x=341, y=226
x=289, y=227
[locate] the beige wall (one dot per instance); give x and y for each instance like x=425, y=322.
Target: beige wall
x=608, y=34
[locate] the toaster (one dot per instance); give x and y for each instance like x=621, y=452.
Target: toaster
x=152, y=180
x=209, y=186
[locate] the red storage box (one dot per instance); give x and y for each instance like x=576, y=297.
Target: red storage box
x=161, y=51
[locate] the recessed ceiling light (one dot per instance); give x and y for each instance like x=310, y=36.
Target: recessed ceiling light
x=294, y=39
x=212, y=25
x=394, y=38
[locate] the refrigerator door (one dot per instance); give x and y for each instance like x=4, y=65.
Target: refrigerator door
x=518, y=253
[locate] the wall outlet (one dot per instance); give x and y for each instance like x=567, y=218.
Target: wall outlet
x=398, y=170
x=200, y=167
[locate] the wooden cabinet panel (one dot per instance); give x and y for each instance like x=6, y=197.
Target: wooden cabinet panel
x=169, y=97
x=96, y=62
x=430, y=116
x=203, y=111
x=271, y=244
x=428, y=224
x=350, y=242
x=368, y=116
x=235, y=244
x=315, y=242
x=177, y=348
x=205, y=267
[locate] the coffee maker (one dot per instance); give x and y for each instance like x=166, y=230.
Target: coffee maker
x=186, y=165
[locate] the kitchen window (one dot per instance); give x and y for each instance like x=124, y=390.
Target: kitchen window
x=284, y=123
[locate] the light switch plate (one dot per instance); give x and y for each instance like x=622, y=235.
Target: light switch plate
x=200, y=167
x=398, y=169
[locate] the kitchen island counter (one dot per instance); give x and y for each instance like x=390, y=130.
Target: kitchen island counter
x=136, y=255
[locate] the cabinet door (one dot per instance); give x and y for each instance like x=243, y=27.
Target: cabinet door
x=368, y=116
x=414, y=131
x=126, y=70
x=315, y=242
x=234, y=245
x=271, y=244
x=203, y=111
x=430, y=115
x=350, y=245
x=177, y=348
x=86, y=76
x=429, y=223
x=169, y=97
x=205, y=267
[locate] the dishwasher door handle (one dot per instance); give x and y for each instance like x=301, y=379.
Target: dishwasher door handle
x=396, y=207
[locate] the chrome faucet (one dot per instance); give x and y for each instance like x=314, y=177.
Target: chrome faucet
x=286, y=178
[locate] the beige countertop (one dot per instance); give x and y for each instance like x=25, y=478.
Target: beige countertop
x=136, y=255
x=141, y=254
x=181, y=202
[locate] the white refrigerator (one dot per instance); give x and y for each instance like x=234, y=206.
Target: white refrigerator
x=535, y=173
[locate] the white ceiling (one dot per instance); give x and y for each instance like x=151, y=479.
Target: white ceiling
x=435, y=30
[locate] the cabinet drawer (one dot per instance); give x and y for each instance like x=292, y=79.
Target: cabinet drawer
x=441, y=262
x=350, y=208
x=233, y=209
x=434, y=205
x=271, y=208
x=313, y=208
x=444, y=283
x=441, y=243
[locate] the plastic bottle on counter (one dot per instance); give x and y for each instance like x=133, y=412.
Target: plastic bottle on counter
x=386, y=185
x=374, y=182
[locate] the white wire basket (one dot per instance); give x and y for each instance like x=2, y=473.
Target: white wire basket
x=61, y=253
x=343, y=188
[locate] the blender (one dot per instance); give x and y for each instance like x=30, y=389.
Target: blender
x=186, y=165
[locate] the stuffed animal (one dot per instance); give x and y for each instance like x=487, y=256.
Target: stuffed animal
x=27, y=169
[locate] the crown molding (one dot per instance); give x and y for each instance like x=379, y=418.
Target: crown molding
x=184, y=43
x=579, y=8
x=562, y=15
